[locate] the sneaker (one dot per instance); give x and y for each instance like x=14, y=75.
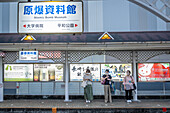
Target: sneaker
x=130, y=101
x=87, y=101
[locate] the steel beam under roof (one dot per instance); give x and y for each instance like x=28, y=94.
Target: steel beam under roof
x=89, y=46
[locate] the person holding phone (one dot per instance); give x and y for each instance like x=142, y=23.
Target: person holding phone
x=107, y=91
x=88, y=91
x=128, y=85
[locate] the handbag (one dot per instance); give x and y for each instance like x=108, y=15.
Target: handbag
x=103, y=82
x=134, y=86
x=84, y=84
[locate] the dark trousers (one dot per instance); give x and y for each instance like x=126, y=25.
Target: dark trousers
x=88, y=92
x=128, y=94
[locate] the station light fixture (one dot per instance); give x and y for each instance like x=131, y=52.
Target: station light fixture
x=106, y=36
x=28, y=37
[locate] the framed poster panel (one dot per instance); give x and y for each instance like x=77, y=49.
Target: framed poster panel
x=18, y=72
x=117, y=71
x=48, y=72
x=78, y=70
x=153, y=72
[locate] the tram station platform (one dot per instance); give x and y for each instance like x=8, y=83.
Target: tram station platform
x=79, y=106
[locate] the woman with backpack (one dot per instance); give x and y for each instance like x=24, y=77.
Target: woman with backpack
x=106, y=79
x=128, y=85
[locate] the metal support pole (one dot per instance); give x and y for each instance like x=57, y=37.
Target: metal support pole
x=66, y=79
x=1, y=82
x=168, y=14
x=135, y=96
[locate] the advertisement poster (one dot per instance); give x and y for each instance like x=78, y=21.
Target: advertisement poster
x=77, y=71
x=153, y=72
x=50, y=17
x=117, y=71
x=48, y=72
x=18, y=72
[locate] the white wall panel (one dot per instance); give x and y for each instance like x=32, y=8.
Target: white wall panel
x=13, y=17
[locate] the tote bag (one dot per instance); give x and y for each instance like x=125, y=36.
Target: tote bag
x=84, y=84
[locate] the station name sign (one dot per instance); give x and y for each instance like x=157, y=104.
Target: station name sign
x=28, y=55
x=50, y=17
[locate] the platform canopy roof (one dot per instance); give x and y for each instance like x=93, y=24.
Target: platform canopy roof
x=87, y=41
x=88, y=37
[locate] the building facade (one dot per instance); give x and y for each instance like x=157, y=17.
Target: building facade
x=137, y=40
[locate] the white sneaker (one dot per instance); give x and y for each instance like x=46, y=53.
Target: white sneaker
x=87, y=101
x=130, y=101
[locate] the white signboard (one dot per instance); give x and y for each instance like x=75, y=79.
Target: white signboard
x=77, y=71
x=48, y=72
x=28, y=55
x=50, y=17
x=18, y=72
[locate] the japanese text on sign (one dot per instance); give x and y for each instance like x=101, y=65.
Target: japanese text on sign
x=50, y=17
x=49, y=9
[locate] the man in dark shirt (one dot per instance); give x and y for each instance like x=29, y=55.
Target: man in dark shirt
x=107, y=91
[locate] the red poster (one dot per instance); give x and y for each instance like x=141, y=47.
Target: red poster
x=153, y=72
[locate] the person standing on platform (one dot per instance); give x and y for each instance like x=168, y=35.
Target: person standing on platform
x=107, y=90
x=128, y=86
x=88, y=91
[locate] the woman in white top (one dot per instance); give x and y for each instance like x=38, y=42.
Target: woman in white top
x=88, y=91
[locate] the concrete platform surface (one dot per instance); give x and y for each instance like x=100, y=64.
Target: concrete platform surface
x=80, y=104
